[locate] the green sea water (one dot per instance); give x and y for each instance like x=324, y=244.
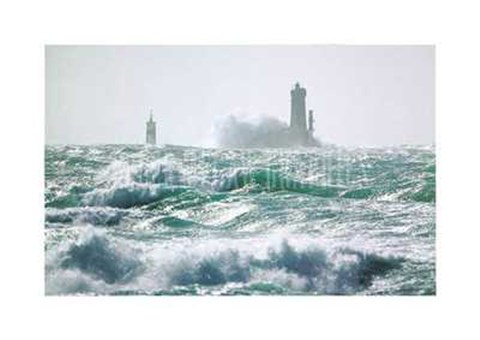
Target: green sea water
x=171, y=220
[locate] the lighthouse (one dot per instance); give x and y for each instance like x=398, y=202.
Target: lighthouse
x=151, y=132
x=300, y=134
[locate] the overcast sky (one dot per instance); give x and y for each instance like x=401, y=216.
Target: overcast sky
x=361, y=95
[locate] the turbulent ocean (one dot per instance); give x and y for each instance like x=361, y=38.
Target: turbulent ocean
x=171, y=220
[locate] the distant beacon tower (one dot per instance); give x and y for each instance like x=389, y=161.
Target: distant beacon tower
x=151, y=130
x=310, y=122
x=298, y=119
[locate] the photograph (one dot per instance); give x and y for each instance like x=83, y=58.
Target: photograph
x=252, y=170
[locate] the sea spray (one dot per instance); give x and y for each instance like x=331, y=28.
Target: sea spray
x=238, y=130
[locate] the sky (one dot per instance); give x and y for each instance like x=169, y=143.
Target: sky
x=361, y=95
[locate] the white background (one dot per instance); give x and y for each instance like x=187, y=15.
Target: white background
x=26, y=26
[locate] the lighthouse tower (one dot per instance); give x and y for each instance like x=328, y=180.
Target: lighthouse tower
x=151, y=135
x=298, y=115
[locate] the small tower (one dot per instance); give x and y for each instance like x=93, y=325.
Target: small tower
x=310, y=122
x=151, y=136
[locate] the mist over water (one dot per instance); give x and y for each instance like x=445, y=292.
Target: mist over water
x=133, y=219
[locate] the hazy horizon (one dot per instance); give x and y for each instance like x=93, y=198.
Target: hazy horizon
x=361, y=95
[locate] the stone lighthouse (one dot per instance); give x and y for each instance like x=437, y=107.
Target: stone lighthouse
x=151, y=133
x=298, y=115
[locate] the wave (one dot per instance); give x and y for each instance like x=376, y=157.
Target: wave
x=313, y=269
x=78, y=266
x=425, y=192
x=84, y=215
x=270, y=180
x=131, y=195
x=157, y=172
x=100, y=261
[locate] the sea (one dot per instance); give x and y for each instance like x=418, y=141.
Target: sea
x=175, y=220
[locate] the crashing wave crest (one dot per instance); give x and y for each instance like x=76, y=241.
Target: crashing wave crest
x=101, y=262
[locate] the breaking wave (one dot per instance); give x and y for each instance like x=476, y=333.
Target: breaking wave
x=92, y=258
x=250, y=131
x=131, y=195
x=343, y=271
x=85, y=215
x=102, y=263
